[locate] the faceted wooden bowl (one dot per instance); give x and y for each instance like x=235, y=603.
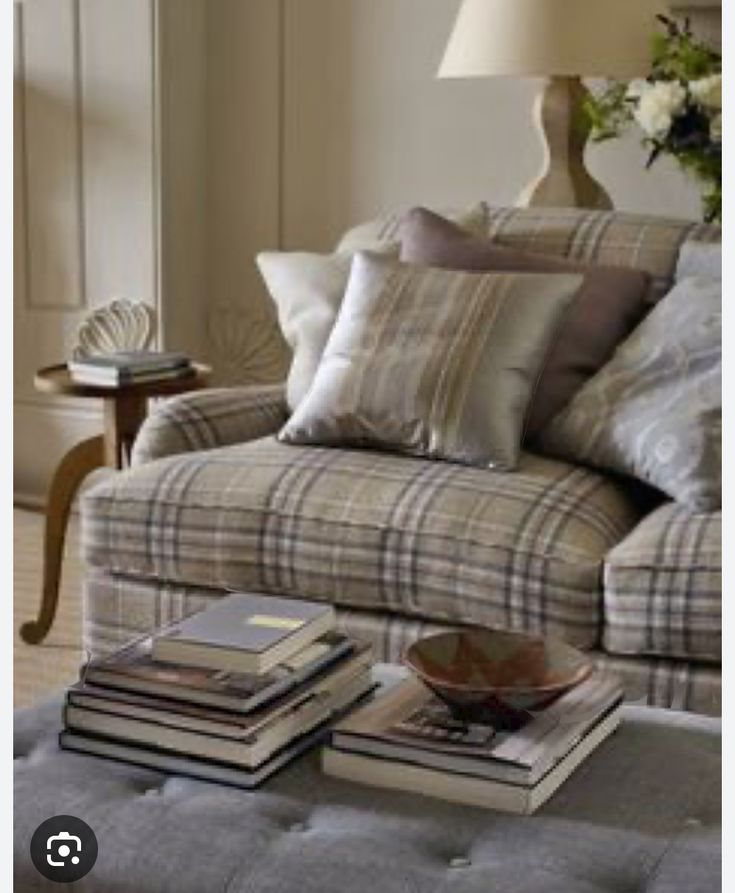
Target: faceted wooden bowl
x=495, y=677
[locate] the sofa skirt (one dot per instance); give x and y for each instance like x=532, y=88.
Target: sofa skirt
x=118, y=609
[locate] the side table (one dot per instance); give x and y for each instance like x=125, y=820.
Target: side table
x=125, y=408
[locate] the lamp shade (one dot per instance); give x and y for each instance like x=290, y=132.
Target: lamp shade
x=602, y=38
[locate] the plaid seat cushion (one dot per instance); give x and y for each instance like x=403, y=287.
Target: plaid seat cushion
x=605, y=237
x=370, y=530
x=117, y=609
x=663, y=587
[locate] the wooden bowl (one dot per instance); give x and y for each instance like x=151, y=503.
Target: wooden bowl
x=495, y=677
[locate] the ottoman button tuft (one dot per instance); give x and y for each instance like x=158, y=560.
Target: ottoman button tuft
x=459, y=862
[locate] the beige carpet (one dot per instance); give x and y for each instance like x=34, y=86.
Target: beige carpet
x=42, y=669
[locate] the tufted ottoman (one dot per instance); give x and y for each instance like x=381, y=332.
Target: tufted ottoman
x=641, y=815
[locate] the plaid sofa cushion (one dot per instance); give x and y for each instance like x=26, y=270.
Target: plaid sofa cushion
x=605, y=237
x=370, y=530
x=202, y=420
x=663, y=587
x=118, y=609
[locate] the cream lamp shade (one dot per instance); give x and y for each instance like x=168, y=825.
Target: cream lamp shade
x=562, y=40
x=526, y=38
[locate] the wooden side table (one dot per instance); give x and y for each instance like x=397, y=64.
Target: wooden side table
x=124, y=410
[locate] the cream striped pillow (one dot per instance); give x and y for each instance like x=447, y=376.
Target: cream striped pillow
x=432, y=362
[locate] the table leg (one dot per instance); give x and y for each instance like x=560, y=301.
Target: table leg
x=123, y=418
x=73, y=468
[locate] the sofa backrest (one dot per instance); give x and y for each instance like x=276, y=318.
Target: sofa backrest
x=618, y=238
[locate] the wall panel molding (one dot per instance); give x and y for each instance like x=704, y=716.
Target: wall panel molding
x=52, y=179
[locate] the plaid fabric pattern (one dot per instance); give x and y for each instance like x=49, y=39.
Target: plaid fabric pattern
x=450, y=338
x=118, y=609
x=606, y=237
x=663, y=587
x=210, y=418
x=370, y=530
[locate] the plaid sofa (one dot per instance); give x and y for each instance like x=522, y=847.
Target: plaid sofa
x=403, y=545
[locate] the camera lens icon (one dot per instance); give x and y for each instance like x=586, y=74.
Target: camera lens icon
x=58, y=847
x=63, y=849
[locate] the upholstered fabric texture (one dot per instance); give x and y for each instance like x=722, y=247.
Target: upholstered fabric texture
x=663, y=587
x=610, y=303
x=642, y=814
x=369, y=530
x=386, y=230
x=655, y=410
x=119, y=608
x=214, y=417
x=613, y=238
x=701, y=259
x=433, y=362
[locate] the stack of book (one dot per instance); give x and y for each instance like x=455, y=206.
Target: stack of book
x=230, y=694
x=407, y=740
x=126, y=367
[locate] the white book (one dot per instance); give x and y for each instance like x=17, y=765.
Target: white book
x=466, y=789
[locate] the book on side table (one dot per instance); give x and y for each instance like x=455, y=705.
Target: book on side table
x=123, y=367
x=406, y=739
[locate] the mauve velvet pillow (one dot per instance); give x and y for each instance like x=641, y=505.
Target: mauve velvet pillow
x=611, y=302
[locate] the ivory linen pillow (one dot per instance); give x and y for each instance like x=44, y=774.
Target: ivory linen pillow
x=308, y=288
x=432, y=362
x=655, y=410
x=611, y=302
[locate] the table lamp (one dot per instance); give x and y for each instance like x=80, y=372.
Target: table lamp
x=562, y=40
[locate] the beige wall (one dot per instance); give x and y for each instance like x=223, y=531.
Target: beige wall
x=369, y=127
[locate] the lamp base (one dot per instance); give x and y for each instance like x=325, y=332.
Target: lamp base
x=564, y=181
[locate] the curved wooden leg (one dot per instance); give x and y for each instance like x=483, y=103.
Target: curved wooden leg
x=73, y=468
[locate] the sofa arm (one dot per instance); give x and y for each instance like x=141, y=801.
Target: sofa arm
x=215, y=417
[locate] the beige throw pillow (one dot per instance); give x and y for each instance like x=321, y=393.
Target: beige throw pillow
x=308, y=288
x=432, y=362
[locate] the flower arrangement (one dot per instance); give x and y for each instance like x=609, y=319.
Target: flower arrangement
x=678, y=107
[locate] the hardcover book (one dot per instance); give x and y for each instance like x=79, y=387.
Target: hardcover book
x=244, y=632
x=203, y=733
x=468, y=789
x=206, y=769
x=409, y=725
x=130, y=361
x=133, y=669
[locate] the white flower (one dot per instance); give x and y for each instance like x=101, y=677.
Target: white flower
x=658, y=105
x=637, y=88
x=707, y=91
x=715, y=128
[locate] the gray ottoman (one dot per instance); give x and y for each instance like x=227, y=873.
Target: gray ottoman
x=641, y=815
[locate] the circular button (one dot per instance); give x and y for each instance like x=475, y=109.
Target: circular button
x=63, y=849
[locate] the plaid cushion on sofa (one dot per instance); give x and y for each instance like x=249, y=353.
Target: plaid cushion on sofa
x=663, y=587
x=370, y=530
x=605, y=237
